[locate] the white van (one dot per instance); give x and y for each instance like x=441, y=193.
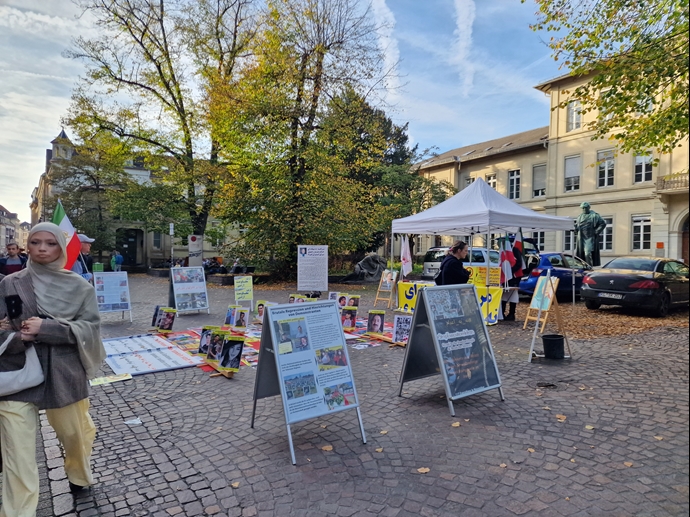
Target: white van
x=477, y=257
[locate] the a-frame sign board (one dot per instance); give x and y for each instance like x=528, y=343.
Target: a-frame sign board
x=448, y=329
x=545, y=294
x=303, y=358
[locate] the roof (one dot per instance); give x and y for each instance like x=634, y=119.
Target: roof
x=494, y=147
x=61, y=138
x=546, y=85
x=478, y=209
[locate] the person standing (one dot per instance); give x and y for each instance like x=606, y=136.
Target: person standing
x=452, y=270
x=119, y=260
x=59, y=316
x=84, y=264
x=13, y=262
x=588, y=227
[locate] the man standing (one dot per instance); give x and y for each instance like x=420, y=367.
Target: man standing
x=84, y=263
x=588, y=227
x=13, y=262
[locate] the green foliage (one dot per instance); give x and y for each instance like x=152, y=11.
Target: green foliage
x=637, y=55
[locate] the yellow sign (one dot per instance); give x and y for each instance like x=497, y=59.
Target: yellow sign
x=490, y=303
x=478, y=275
x=407, y=294
x=244, y=290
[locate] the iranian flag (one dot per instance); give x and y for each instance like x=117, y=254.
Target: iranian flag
x=507, y=260
x=73, y=245
x=519, y=254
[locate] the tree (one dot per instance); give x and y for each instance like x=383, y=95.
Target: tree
x=637, y=55
x=148, y=79
x=82, y=182
x=282, y=185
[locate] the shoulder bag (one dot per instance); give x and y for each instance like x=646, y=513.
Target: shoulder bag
x=18, y=380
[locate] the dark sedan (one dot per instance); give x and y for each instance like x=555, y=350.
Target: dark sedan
x=651, y=283
x=561, y=265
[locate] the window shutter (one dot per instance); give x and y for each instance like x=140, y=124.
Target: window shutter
x=572, y=166
x=539, y=177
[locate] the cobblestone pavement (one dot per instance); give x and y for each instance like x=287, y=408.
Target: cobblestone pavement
x=622, y=449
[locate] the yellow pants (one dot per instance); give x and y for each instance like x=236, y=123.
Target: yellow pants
x=76, y=432
x=18, y=424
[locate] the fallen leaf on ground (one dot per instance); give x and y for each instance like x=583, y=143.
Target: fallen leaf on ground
x=327, y=448
x=590, y=427
x=384, y=432
x=582, y=388
x=659, y=438
x=380, y=449
x=455, y=424
x=547, y=408
x=467, y=419
x=530, y=449
x=503, y=465
x=572, y=460
x=235, y=484
x=561, y=418
x=628, y=463
x=567, y=498
x=423, y=470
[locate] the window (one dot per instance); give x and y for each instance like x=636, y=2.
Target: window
x=157, y=240
x=606, y=167
x=567, y=241
x=514, y=184
x=539, y=180
x=573, y=116
x=606, y=237
x=641, y=232
x=491, y=181
x=572, y=173
x=643, y=168
x=469, y=181
x=539, y=239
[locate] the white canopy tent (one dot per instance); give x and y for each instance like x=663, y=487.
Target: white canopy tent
x=479, y=209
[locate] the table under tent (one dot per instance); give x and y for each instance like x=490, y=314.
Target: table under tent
x=480, y=210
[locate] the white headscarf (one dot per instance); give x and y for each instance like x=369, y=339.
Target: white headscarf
x=69, y=299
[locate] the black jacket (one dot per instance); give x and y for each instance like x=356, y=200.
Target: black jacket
x=453, y=272
x=3, y=263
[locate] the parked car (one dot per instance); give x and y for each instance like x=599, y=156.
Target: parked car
x=561, y=266
x=434, y=257
x=645, y=282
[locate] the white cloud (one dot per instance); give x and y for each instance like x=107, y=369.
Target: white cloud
x=385, y=25
x=40, y=25
x=462, y=45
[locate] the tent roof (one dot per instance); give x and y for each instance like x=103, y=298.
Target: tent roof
x=478, y=208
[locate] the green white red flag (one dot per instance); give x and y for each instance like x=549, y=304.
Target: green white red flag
x=73, y=245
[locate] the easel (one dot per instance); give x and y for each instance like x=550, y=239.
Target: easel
x=540, y=314
x=553, y=306
x=393, y=283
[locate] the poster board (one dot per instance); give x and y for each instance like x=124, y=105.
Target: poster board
x=312, y=268
x=407, y=294
x=189, y=289
x=146, y=353
x=112, y=292
x=402, y=323
x=386, y=288
x=303, y=357
x=449, y=336
x=478, y=275
x=244, y=289
x=543, y=300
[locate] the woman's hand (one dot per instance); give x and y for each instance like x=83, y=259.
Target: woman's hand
x=5, y=324
x=30, y=328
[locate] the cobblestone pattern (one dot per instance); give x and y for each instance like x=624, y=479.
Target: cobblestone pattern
x=622, y=449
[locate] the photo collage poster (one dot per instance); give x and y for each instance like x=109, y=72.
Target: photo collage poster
x=468, y=361
x=189, y=287
x=112, y=291
x=402, y=323
x=312, y=360
x=224, y=350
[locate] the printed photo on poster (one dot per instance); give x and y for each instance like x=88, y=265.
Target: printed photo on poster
x=167, y=320
x=231, y=354
x=292, y=335
x=230, y=314
x=342, y=300
x=339, y=395
x=112, y=291
x=299, y=385
x=349, y=318
x=333, y=295
x=375, y=322
x=388, y=279
x=215, y=346
x=330, y=358
x=205, y=339
x=353, y=300
x=241, y=316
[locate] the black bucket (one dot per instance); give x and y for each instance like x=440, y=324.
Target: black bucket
x=553, y=346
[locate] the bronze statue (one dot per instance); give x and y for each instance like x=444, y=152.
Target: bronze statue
x=588, y=227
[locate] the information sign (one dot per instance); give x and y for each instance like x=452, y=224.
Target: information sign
x=449, y=336
x=112, y=292
x=303, y=357
x=244, y=289
x=312, y=268
x=189, y=289
x=145, y=354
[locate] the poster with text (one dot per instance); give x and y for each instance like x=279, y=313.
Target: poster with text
x=244, y=289
x=313, y=365
x=402, y=323
x=312, y=268
x=460, y=331
x=145, y=354
x=112, y=291
x=189, y=287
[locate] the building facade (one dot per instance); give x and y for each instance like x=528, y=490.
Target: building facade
x=555, y=168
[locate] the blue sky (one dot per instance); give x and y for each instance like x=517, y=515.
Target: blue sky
x=466, y=71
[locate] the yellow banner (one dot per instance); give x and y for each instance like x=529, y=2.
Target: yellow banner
x=478, y=275
x=490, y=303
x=407, y=294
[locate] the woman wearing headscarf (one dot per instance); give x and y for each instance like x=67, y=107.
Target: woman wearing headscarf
x=55, y=311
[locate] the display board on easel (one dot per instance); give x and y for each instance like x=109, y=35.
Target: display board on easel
x=543, y=300
x=448, y=329
x=303, y=358
x=188, y=289
x=112, y=292
x=546, y=300
x=386, y=288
